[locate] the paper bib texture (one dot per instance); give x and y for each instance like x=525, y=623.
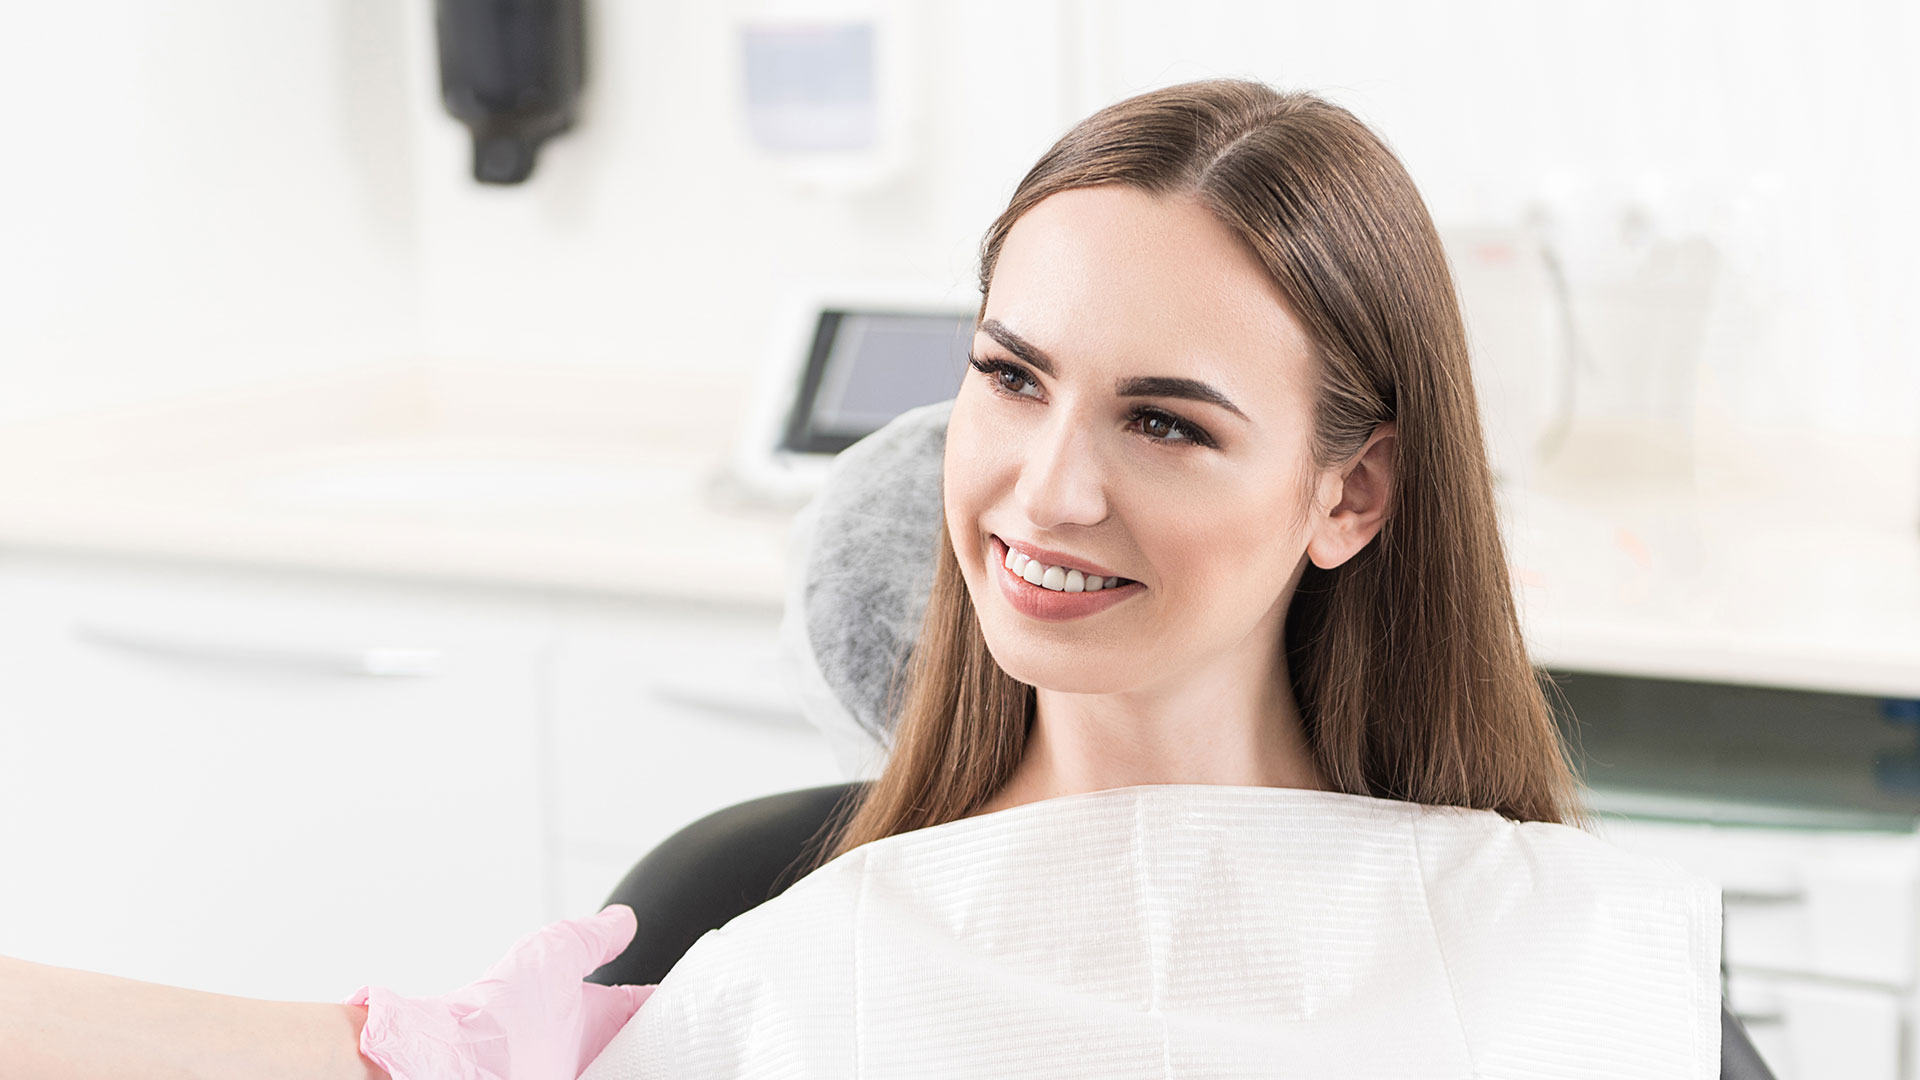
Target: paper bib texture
x=1179, y=930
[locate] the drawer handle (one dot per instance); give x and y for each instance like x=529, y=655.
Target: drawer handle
x=1762, y=897
x=1766, y=1019
x=380, y=663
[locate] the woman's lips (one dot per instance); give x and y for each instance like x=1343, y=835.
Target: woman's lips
x=1045, y=604
x=1054, y=558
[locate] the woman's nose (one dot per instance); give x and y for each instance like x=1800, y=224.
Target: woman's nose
x=1062, y=476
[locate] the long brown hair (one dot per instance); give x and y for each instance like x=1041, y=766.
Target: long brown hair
x=1407, y=661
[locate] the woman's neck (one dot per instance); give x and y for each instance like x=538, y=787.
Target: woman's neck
x=1082, y=743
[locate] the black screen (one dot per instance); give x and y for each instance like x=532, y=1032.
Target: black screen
x=867, y=367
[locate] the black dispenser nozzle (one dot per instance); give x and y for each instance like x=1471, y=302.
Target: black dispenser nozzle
x=511, y=70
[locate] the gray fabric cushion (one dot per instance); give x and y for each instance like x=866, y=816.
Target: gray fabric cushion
x=861, y=563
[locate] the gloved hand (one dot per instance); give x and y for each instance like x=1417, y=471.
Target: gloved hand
x=530, y=1017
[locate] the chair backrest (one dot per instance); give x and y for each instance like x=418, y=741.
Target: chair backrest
x=736, y=859
x=719, y=867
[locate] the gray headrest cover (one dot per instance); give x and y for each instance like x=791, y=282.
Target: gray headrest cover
x=860, y=569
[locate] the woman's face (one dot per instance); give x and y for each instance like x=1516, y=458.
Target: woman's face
x=1198, y=502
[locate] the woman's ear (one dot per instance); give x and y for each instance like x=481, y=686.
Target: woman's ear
x=1359, y=495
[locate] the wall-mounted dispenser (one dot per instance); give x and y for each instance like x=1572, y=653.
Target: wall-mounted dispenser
x=511, y=70
x=827, y=87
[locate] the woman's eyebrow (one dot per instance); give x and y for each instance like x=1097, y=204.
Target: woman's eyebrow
x=1172, y=386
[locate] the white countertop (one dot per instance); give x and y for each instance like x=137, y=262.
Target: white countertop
x=612, y=483
x=605, y=483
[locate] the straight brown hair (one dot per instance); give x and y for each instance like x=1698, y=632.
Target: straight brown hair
x=1407, y=661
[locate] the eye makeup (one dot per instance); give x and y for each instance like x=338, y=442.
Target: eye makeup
x=1191, y=433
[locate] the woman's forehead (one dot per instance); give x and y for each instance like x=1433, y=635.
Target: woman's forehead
x=1111, y=278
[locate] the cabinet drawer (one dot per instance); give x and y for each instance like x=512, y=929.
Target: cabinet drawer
x=1827, y=903
x=266, y=785
x=664, y=714
x=1807, y=1030
x=1830, y=904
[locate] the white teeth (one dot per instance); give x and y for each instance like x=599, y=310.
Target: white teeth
x=1054, y=577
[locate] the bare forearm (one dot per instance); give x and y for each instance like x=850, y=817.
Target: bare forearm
x=60, y=1024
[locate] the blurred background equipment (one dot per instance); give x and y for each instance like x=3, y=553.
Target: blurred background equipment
x=511, y=70
x=826, y=90
x=843, y=359
x=1515, y=305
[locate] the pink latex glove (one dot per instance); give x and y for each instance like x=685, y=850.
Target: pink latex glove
x=530, y=1017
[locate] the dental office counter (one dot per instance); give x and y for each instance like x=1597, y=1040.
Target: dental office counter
x=514, y=636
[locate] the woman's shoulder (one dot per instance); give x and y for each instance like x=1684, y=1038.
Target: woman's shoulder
x=763, y=995
x=1542, y=925
x=1461, y=847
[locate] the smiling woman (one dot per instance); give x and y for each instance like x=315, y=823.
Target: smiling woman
x=1219, y=355
x=1219, y=751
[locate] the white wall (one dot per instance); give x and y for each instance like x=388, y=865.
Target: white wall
x=1786, y=134
x=213, y=191
x=200, y=192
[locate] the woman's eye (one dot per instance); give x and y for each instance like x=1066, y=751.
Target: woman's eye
x=997, y=371
x=1146, y=417
x=1156, y=425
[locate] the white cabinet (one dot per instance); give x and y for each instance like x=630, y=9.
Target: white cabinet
x=207, y=780
x=664, y=713
x=1808, y=1029
x=1818, y=943
x=284, y=786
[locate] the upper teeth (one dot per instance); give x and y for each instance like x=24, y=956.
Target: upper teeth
x=1057, y=578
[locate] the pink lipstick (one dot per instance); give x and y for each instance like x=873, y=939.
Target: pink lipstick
x=1045, y=604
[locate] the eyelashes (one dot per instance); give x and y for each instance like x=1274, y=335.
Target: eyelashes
x=1192, y=433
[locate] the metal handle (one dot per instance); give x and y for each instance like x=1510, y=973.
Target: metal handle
x=1766, y=1019
x=1761, y=898
x=383, y=662
x=753, y=712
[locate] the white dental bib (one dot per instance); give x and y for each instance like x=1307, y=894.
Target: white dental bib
x=1183, y=930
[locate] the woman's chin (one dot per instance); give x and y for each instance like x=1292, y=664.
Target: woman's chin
x=1062, y=671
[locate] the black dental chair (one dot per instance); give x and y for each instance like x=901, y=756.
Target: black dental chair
x=738, y=858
